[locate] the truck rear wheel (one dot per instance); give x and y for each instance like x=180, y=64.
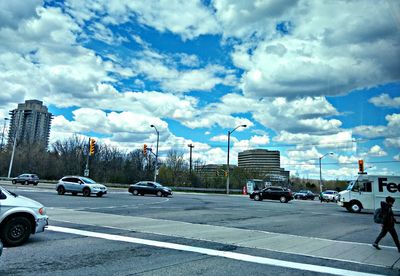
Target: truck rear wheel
x=355, y=207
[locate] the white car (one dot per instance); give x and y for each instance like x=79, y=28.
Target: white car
x=80, y=184
x=19, y=218
x=330, y=195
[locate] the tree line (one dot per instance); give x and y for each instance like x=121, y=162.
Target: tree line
x=110, y=165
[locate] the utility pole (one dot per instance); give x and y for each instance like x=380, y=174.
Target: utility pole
x=190, y=158
x=2, y=137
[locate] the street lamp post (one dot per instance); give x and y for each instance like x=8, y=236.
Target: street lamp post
x=15, y=143
x=2, y=136
x=227, y=162
x=156, y=165
x=320, y=169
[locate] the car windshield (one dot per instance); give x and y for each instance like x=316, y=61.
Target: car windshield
x=88, y=180
x=11, y=193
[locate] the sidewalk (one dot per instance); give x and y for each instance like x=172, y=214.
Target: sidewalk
x=291, y=244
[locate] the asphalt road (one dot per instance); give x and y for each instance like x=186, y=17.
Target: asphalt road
x=56, y=253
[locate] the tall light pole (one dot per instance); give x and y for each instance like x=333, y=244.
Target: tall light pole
x=156, y=165
x=190, y=158
x=15, y=143
x=320, y=170
x=227, y=162
x=2, y=136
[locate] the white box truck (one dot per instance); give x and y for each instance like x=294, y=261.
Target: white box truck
x=367, y=192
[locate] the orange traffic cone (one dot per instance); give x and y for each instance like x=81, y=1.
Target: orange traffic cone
x=244, y=190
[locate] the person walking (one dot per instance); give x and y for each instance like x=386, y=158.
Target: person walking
x=388, y=223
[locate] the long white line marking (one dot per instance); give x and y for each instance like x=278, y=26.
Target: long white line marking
x=212, y=252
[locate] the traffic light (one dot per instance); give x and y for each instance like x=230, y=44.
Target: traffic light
x=92, y=146
x=145, y=150
x=361, y=166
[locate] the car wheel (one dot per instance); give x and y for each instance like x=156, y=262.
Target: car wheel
x=99, y=194
x=86, y=192
x=135, y=192
x=355, y=207
x=312, y=198
x=26, y=182
x=61, y=190
x=283, y=199
x=159, y=194
x=14, y=182
x=35, y=184
x=74, y=193
x=257, y=197
x=16, y=231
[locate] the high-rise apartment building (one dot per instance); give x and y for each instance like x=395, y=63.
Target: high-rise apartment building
x=31, y=123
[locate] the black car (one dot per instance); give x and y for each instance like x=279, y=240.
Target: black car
x=149, y=187
x=304, y=194
x=284, y=195
x=26, y=178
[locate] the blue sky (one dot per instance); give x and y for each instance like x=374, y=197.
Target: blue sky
x=307, y=77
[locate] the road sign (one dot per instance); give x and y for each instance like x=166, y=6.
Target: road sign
x=86, y=172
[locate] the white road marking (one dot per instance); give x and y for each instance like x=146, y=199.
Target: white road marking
x=212, y=252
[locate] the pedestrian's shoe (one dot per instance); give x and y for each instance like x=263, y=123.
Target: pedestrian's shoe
x=377, y=246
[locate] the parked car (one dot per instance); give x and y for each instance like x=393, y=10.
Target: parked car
x=149, y=187
x=304, y=194
x=19, y=218
x=330, y=195
x=284, y=195
x=80, y=184
x=26, y=178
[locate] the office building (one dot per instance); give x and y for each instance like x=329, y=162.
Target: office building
x=265, y=162
x=31, y=123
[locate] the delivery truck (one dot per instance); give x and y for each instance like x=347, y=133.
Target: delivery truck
x=367, y=191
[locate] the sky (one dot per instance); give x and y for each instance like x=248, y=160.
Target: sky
x=307, y=77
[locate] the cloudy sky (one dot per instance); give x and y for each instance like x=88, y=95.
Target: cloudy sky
x=307, y=77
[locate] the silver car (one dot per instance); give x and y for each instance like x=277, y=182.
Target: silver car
x=330, y=195
x=19, y=218
x=80, y=184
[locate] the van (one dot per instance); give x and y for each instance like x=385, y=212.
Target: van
x=19, y=218
x=367, y=191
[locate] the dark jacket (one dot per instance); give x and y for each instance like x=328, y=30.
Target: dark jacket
x=387, y=214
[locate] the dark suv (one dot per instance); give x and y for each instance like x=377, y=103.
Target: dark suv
x=284, y=195
x=26, y=178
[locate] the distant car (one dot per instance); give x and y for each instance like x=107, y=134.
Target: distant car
x=19, y=218
x=330, y=195
x=304, y=194
x=284, y=195
x=26, y=178
x=149, y=187
x=80, y=184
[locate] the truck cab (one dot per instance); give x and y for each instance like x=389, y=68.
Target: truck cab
x=367, y=191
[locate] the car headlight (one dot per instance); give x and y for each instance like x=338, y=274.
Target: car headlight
x=42, y=211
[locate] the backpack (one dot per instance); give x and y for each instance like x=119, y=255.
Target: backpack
x=378, y=216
